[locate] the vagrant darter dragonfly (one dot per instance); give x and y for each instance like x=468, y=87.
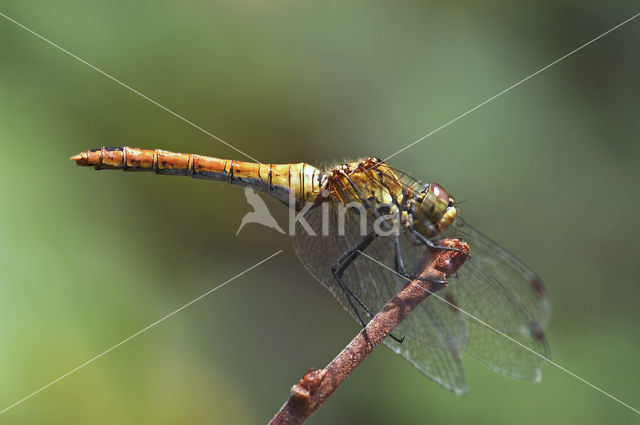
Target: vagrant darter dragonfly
x=493, y=286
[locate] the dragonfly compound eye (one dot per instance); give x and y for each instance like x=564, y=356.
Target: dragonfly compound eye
x=439, y=193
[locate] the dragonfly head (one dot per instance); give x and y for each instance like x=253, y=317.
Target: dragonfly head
x=434, y=211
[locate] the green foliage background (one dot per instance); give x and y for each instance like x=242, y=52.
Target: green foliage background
x=550, y=170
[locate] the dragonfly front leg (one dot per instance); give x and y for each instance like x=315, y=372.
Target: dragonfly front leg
x=431, y=245
x=399, y=265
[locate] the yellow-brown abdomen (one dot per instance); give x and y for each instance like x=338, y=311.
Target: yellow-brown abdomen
x=301, y=180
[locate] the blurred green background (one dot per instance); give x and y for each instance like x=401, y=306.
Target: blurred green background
x=550, y=170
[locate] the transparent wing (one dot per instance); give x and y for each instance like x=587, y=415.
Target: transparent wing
x=515, y=277
x=434, y=334
x=502, y=303
x=499, y=291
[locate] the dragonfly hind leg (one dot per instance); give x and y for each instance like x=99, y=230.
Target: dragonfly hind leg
x=338, y=269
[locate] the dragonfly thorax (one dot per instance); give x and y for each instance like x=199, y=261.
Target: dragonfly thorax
x=433, y=210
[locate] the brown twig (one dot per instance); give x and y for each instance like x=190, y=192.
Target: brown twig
x=317, y=385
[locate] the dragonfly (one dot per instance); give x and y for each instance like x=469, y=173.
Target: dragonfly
x=363, y=210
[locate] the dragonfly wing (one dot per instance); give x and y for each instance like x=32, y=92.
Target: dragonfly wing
x=501, y=296
x=434, y=334
x=435, y=337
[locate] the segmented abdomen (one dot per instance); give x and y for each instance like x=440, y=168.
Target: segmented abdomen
x=301, y=180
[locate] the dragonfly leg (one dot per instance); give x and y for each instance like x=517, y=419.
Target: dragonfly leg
x=399, y=266
x=398, y=254
x=432, y=245
x=340, y=267
x=396, y=339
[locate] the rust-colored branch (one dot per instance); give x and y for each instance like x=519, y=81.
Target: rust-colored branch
x=316, y=386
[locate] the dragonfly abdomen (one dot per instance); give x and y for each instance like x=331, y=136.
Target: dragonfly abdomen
x=278, y=180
